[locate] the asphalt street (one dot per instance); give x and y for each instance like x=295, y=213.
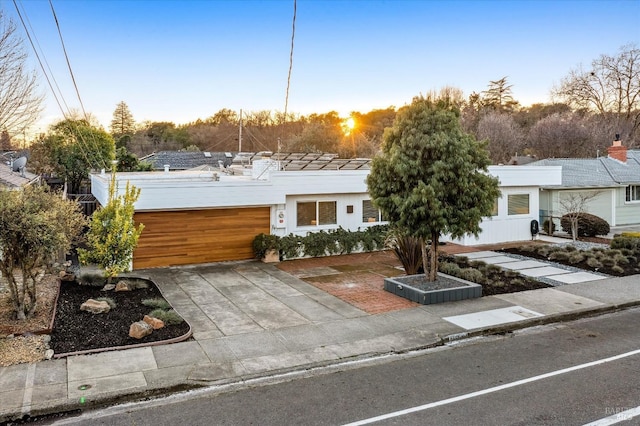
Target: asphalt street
x=569, y=374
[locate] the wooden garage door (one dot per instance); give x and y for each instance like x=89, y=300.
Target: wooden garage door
x=198, y=236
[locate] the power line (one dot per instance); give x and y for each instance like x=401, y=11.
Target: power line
x=64, y=49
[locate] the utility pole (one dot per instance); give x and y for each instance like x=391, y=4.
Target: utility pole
x=240, y=133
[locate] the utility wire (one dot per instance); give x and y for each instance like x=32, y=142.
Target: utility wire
x=39, y=60
x=64, y=49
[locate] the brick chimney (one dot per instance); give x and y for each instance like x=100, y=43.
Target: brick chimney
x=617, y=151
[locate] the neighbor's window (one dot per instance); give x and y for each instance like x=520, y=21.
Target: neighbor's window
x=517, y=204
x=313, y=213
x=633, y=193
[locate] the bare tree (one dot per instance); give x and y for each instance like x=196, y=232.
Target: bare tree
x=574, y=205
x=504, y=135
x=20, y=101
x=610, y=87
x=562, y=136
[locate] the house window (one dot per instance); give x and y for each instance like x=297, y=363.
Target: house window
x=371, y=213
x=494, y=212
x=633, y=193
x=517, y=204
x=313, y=213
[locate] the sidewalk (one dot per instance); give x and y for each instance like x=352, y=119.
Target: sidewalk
x=253, y=320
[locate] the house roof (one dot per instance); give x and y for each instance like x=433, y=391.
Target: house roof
x=14, y=180
x=184, y=160
x=599, y=172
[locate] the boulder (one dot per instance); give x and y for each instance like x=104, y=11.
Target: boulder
x=140, y=329
x=95, y=306
x=108, y=287
x=123, y=286
x=153, y=322
x=67, y=276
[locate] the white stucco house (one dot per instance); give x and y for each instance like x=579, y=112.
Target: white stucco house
x=208, y=214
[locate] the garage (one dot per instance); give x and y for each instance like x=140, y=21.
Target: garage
x=185, y=237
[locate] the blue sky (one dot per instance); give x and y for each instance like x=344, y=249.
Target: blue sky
x=183, y=60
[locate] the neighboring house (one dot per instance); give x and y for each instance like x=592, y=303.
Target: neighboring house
x=200, y=216
x=184, y=160
x=613, y=180
x=10, y=179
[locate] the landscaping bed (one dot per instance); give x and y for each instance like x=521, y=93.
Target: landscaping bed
x=615, y=262
x=80, y=331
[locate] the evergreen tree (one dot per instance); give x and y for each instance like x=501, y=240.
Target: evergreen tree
x=113, y=235
x=122, y=123
x=498, y=96
x=430, y=178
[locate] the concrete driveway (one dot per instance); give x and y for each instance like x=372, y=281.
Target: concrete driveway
x=233, y=298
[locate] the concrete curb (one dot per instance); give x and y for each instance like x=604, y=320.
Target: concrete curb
x=72, y=407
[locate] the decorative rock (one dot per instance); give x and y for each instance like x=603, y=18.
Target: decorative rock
x=95, y=306
x=122, y=286
x=140, y=329
x=108, y=287
x=46, y=338
x=66, y=276
x=153, y=322
x=48, y=354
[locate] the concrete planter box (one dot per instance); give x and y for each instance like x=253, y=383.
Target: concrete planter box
x=455, y=289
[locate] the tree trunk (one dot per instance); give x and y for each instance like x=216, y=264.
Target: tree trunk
x=425, y=263
x=433, y=267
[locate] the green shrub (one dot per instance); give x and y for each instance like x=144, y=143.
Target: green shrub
x=624, y=242
x=560, y=256
x=93, y=280
x=449, y=268
x=569, y=248
x=544, y=251
x=477, y=263
x=169, y=317
x=262, y=243
x=157, y=302
x=608, y=261
x=576, y=257
x=589, y=225
x=408, y=250
x=472, y=274
x=594, y=263
x=621, y=259
x=110, y=301
x=618, y=269
x=549, y=223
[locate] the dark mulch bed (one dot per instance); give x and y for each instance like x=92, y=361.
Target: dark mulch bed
x=75, y=330
x=503, y=281
x=629, y=269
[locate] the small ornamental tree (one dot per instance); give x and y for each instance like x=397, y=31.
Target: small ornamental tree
x=35, y=226
x=431, y=177
x=113, y=235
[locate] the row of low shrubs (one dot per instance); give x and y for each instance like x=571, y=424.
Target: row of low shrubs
x=624, y=250
x=321, y=243
x=491, y=277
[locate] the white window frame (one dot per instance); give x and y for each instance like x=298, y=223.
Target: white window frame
x=528, y=195
x=629, y=192
x=378, y=218
x=317, y=214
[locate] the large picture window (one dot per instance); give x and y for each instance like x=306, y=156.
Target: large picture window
x=370, y=213
x=517, y=204
x=313, y=213
x=633, y=193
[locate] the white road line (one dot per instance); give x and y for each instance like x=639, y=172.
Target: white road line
x=491, y=390
x=622, y=416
